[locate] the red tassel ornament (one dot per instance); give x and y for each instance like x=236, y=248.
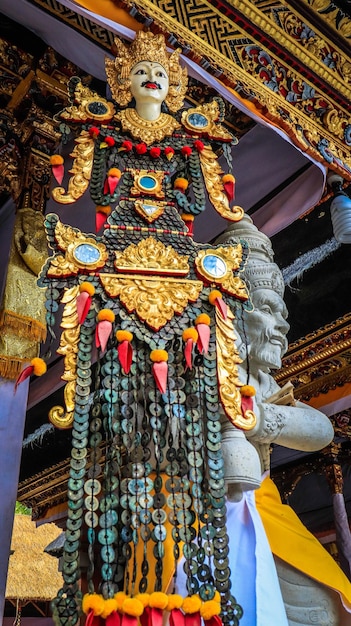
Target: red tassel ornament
x=112, y=180
x=160, y=368
x=202, y=324
x=58, y=170
x=84, y=299
x=103, y=330
x=229, y=186
x=102, y=212
x=190, y=337
x=215, y=298
x=125, y=349
x=37, y=367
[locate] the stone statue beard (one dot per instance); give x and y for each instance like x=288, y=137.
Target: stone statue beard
x=267, y=344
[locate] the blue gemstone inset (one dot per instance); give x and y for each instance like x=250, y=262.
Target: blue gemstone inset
x=147, y=182
x=197, y=120
x=86, y=253
x=214, y=266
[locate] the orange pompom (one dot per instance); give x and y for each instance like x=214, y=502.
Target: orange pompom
x=158, y=600
x=213, y=295
x=203, y=318
x=120, y=597
x=209, y=609
x=56, y=159
x=109, y=607
x=144, y=598
x=248, y=390
x=187, y=217
x=191, y=604
x=157, y=356
x=181, y=183
x=228, y=178
x=39, y=366
x=93, y=602
x=87, y=287
x=106, y=210
x=106, y=315
x=190, y=333
x=114, y=171
x=133, y=607
x=124, y=335
x=175, y=601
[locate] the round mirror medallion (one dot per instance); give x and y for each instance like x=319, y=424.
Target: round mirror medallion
x=87, y=253
x=214, y=266
x=197, y=120
x=148, y=183
x=97, y=108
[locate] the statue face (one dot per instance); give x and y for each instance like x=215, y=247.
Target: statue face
x=267, y=329
x=149, y=82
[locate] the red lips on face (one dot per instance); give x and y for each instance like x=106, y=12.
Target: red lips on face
x=151, y=86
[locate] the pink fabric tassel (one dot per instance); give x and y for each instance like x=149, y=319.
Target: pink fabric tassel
x=160, y=373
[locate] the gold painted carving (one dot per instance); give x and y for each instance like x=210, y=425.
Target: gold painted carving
x=210, y=111
x=82, y=154
x=212, y=173
x=88, y=105
x=59, y=416
x=145, y=130
x=154, y=300
x=138, y=189
x=228, y=381
x=146, y=45
x=151, y=256
x=69, y=239
x=231, y=258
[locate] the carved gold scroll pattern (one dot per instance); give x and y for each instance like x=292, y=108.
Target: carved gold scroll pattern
x=228, y=376
x=154, y=300
x=82, y=154
x=59, y=416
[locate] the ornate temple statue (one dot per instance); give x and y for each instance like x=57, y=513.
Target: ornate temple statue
x=158, y=397
x=308, y=576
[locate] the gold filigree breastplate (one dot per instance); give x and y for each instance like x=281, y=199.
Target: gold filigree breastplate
x=144, y=130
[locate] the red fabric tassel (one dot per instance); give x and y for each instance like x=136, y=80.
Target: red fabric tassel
x=156, y=616
x=28, y=371
x=112, y=182
x=58, y=172
x=93, y=620
x=145, y=617
x=204, y=337
x=188, y=353
x=193, y=619
x=102, y=333
x=114, y=619
x=222, y=307
x=160, y=372
x=216, y=620
x=125, y=355
x=229, y=188
x=83, y=306
x=176, y=618
x=246, y=404
x=129, y=620
x=100, y=219
x=190, y=226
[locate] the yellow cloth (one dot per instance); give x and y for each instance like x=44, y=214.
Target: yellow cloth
x=108, y=9
x=290, y=540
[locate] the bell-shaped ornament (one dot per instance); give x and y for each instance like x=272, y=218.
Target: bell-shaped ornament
x=242, y=465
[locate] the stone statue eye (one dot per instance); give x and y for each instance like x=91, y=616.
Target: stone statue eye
x=140, y=72
x=266, y=309
x=161, y=74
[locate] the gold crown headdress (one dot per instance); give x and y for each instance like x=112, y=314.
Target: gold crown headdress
x=145, y=47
